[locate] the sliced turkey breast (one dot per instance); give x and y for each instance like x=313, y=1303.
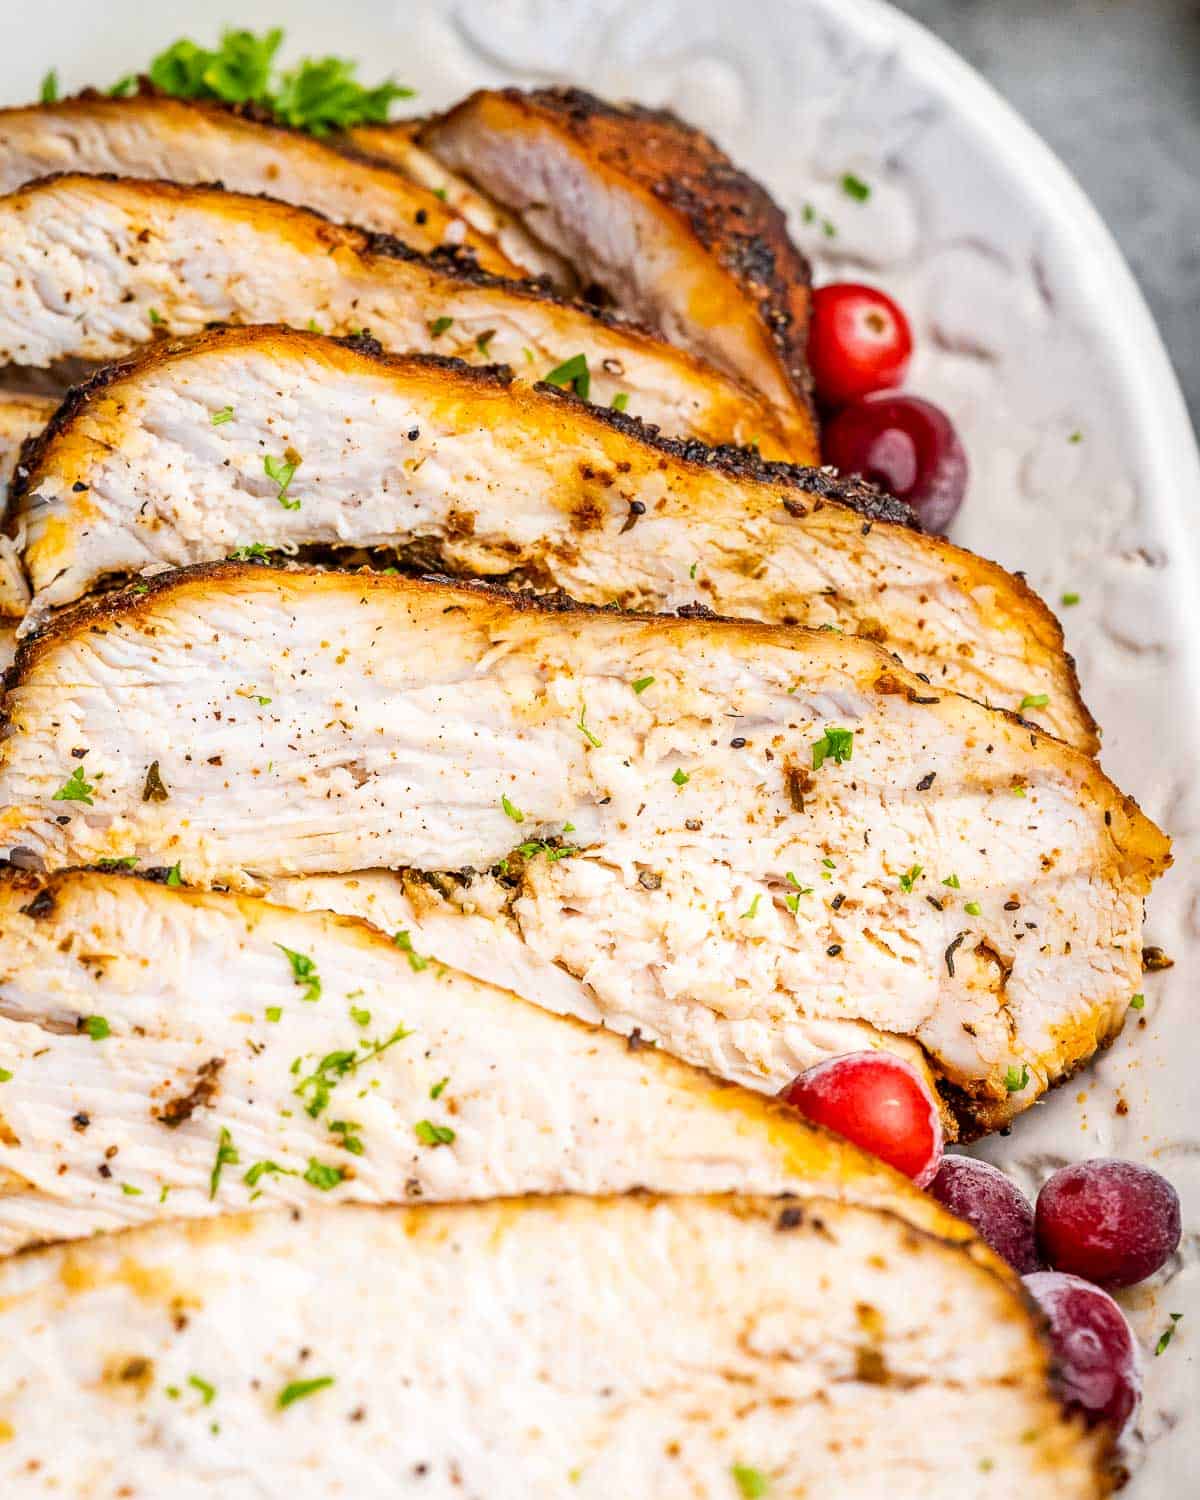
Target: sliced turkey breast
x=633, y=1347
x=149, y=1027
x=187, y=140
x=396, y=145
x=94, y=267
x=20, y=417
x=653, y=212
x=165, y=461
x=746, y=841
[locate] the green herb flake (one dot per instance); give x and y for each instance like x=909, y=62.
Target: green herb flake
x=298, y=1390
x=76, y=788
x=836, y=745
x=572, y=372
x=281, y=472
x=752, y=910
x=692, y=570
x=1167, y=1334
x=227, y=1156
x=911, y=876
x=484, y=339
x=262, y=1169
x=1019, y=791
x=620, y=402
x=173, y=875
x=1016, y=1080
x=973, y=909
x=130, y=1191
x=97, y=1028
x=439, y=1087
x=323, y=1176
x=251, y=551
x=304, y=972
x=439, y=326
x=360, y=1017
x=126, y=862
x=581, y=725
x=1034, y=700
x=49, y=89
x=751, y=1483
x=854, y=187
x=219, y=418
x=681, y=777
x=1138, y=1002
x=5, y=1075
x=155, y=316
x=416, y=961
x=274, y=1012
x=642, y=684
x=430, y=1134
x=510, y=811
x=953, y=882
x=317, y=1087
x=1076, y=437
x=1069, y=599
x=208, y=1392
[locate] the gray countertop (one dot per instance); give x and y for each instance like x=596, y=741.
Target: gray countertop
x=1114, y=87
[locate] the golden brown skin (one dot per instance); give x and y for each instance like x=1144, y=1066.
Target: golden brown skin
x=755, y=284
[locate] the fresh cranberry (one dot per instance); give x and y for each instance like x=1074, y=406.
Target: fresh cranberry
x=877, y=1101
x=858, y=341
x=906, y=445
x=1098, y=1370
x=995, y=1207
x=1113, y=1222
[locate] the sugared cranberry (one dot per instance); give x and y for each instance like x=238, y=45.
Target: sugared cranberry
x=877, y=1101
x=996, y=1208
x=1113, y=1222
x=1098, y=1369
x=858, y=341
x=906, y=445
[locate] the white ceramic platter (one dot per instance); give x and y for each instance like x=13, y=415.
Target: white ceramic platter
x=1031, y=333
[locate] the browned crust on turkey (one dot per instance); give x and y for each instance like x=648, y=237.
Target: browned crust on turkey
x=733, y=218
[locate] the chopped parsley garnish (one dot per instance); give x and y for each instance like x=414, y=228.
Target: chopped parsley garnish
x=973, y=909
x=484, y=339
x=274, y=1012
x=1016, y=1079
x=1069, y=599
x=1018, y=791
x=572, y=372
x=127, y=862
x=752, y=910
x=349, y=1141
x=620, y=402
x=130, y=1191
x=297, y=1390
x=208, y=1393
x=792, y=901
x=304, y=972
x=1076, y=437
x=642, y=684
x=953, y=882
x=835, y=744
x=322, y=1176
x=227, y=1156
x=416, y=961
x=219, y=418
x=681, y=777
x=854, y=187
x=262, y=1169
x=360, y=1017
x=250, y=551
x=430, y=1134
x=911, y=876
x=512, y=812
x=154, y=789
x=316, y=1089
x=5, y=1075
x=76, y=788
x=692, y=570
x=97, y=1028
x=173, y=875
x=1138, y=1002
x=317, y=95
x=581, y=725
x=1167, y=1334
x=49, y=89
x=439, y=326
x=751, y=1483
x=281, y=472
x=155, y=316
x=436, y=1091
x=1034, y=700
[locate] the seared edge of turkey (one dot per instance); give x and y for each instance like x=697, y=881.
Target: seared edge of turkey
x=670, y=1340
x=651, y=210
x=94, y=267
x=155, y=135
x=162, y=1031
x=159, y=461
x=626, y=792
x=20, y=417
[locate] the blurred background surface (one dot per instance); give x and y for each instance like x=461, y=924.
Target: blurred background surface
x=1114, y=87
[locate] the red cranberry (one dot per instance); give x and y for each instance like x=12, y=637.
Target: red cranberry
x=906, y=445
x=876, y=1100
x=858, y=341
x=996, y=1208
x=1113, y=1222
x=1098, y=1369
